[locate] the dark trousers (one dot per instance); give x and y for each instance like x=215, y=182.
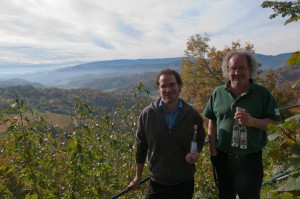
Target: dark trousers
x=238, y=175
x=184, y=190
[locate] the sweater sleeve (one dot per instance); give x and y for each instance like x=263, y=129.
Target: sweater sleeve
x=141, y=141
x=201, y=134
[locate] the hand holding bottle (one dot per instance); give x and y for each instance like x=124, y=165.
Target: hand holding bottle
x=194, y=148
x=239, y=132
x=235, y=134
x=193, y=156
x=243, y=117
x=240, y=113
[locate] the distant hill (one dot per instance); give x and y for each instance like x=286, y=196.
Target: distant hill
x=286, y=73
x=20, y=82
x=117, y=75
x=123, y=83
x=126, y=82
x=271, y=62
x=102, y=69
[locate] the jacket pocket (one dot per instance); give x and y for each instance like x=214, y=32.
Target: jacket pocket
x=179, y=168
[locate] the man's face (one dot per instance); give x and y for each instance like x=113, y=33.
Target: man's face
x=238, y=70
x=168, y=89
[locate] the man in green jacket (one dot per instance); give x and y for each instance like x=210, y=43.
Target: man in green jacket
x=238, y=168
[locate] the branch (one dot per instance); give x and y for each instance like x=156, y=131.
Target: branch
x=211, y=72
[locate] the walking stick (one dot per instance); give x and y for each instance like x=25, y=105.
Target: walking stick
x=129, y=189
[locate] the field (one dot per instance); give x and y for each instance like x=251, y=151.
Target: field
x=60, y=120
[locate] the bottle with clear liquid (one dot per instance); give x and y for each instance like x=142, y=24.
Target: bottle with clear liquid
x=194, y=141
x=235, y=134
x=243, y=137
x=243, y=131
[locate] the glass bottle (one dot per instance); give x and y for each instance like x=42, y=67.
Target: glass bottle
x=235, y=134
x=243, y=138
x=243, y=131
x=194, y=141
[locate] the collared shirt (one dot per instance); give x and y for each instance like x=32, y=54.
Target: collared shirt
x=171, y=116
x=257, y=101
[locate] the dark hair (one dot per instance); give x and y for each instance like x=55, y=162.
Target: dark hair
x=250, y=57
x=168, y=71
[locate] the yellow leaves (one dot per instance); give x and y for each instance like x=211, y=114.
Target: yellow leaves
x=294, y=59
x=201, y=70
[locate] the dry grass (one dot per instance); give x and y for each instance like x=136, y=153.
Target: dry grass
x=59, y=120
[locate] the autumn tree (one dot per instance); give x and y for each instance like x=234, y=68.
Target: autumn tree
x=201, y=69
x=285, y=8
x=289, y=9
x=284, y=93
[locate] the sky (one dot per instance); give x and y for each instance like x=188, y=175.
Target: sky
x=65, y=32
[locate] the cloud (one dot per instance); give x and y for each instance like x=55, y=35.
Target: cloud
x=129, y=30
x=48, y=31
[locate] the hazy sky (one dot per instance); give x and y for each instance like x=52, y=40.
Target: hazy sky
x=60, y=31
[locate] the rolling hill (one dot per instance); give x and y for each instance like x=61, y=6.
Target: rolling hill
x=119, y=75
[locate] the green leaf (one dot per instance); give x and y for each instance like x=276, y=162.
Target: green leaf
x=31, y=196
x=291, y=20
x=297, y=185
x=10, y=170
x=273, y=136
x=291, y=185
x=295, y=149
x=275, y=153
x=73, y=144
x=79, y=148
x=294, y=59
x=294, y=163
x=288, y=123
x=287, y=195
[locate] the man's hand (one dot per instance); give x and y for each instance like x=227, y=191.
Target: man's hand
x=213, y=152
x=192, y=158
x=135, y=183
x=243, y=117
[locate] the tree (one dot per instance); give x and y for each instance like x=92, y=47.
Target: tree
x=284, y=92
x=286, y=8
x=288, y=132
x=201, y=69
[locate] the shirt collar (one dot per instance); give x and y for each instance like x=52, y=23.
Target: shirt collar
x=228, y=85
x=179, y=106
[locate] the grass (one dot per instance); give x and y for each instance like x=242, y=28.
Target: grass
x=60, y=120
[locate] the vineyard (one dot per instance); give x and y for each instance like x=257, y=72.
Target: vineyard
x=95, y=159
x=39, y=160
x=80, y=143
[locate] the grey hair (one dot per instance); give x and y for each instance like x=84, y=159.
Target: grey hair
x=250, y=57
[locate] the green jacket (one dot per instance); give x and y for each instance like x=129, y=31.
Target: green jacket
x=257, y=101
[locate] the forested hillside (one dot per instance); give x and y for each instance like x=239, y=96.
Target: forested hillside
x=103, y=94
x=62, y=101
x=288, y=73
x=114, y=74
x=124, y=83
x=120, y=84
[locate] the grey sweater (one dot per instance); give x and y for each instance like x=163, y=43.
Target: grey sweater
x=166, y=148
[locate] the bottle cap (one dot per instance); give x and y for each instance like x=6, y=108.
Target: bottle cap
x=239, y=109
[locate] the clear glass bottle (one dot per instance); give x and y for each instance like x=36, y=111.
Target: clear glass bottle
x=194, y=141
x=235, y=134
x=243, y=138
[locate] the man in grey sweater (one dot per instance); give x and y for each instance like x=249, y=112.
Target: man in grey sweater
x=165, y=131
